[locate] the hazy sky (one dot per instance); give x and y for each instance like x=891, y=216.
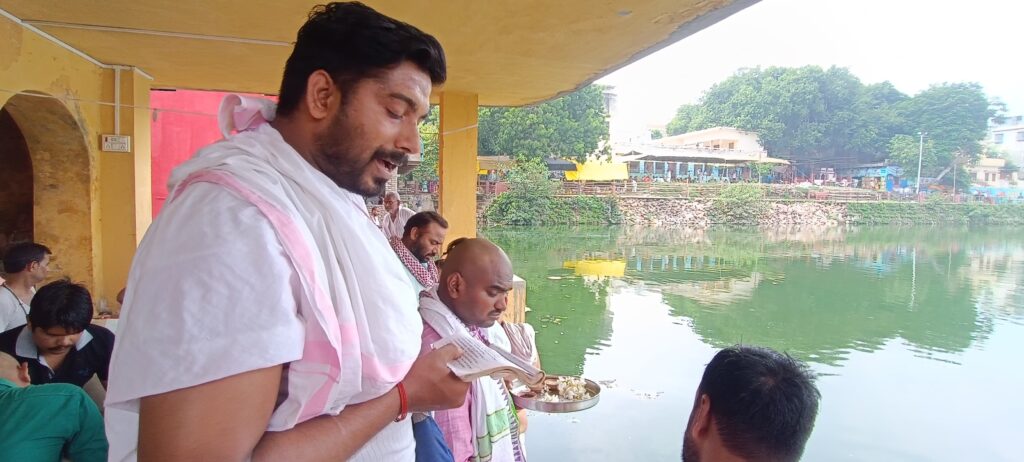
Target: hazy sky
x=911, y=43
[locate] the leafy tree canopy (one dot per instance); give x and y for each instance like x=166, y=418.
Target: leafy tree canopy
x=813, y=116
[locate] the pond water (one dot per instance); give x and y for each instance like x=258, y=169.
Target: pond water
x=916, y=333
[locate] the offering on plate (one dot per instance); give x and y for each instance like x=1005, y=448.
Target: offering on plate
x=566, y=389
x=558, y=394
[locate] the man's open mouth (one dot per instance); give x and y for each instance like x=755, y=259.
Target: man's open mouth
x=388, y=165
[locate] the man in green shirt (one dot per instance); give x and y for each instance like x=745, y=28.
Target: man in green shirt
x=46, y=422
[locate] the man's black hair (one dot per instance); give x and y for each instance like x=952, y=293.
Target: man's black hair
x=352, y=42
x=61, y=303
x=763, y=402
x=19, y=256
x=422, y=219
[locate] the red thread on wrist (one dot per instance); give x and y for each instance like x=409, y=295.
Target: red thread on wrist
x=404, y=403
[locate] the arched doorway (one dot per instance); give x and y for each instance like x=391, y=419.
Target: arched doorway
x=59, y=187
x=15, y=183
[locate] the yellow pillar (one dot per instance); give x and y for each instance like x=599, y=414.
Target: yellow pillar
x=125, y=186
x=457, y=164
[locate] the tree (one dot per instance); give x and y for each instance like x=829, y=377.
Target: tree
x=803, y=114
x=571, y=127
x=954, y=116
x=529, y=196
x=762, y=169
x=657, y=135
x=904, y=150
x=429, y=136
x=687, y=119
x=811, y=115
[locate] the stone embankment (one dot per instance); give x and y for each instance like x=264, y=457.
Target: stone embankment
x=804, y=213
x=665, y=212
x=700, y=213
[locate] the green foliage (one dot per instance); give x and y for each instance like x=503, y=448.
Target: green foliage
x=809, y=114
x=427, y=169
x=955, y=118
x=761, y=169
x=904, y=150
x=934, y=212
x=657, y=135
x=584, y=210
x=570, y=210
x=688, y=118
x=528, y=199
x=739, y=204
x=571, y=127
x=531, y=201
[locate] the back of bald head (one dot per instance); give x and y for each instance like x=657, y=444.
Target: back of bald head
x=472, y=256
x=8, y=367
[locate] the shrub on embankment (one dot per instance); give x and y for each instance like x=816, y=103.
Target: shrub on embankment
x=738, y=204
x=933, y=212
x=511, y=209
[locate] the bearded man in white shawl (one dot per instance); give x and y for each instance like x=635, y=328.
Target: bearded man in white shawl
x=475, y=281
x=260, y=322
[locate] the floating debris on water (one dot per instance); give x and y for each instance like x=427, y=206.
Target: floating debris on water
x=608, y=383
x=646, y=394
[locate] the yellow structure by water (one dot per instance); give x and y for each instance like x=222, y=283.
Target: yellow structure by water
x=71, y=72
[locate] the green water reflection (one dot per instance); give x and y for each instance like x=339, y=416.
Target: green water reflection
x=901, y=322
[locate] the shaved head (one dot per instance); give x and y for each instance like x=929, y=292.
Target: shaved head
x=475, y=281
x=473, y=255
x=11, y=370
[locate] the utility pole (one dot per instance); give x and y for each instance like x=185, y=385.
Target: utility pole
x=955, y=168
x=920, y=154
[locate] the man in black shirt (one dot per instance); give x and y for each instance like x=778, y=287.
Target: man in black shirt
x=59, y=343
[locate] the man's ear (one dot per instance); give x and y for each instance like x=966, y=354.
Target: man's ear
x=455, y=283
x=414, y=234
x=321, y=94
x=23, y=375
x=701, y=425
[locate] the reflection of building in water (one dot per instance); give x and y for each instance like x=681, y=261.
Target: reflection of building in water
x=719, y=292
x=994, y=275
x=596, y=268
x=596, y=273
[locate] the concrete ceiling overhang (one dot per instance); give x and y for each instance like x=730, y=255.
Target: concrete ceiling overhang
x=508, y=52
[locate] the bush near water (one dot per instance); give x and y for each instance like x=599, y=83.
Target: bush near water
x=737, y=205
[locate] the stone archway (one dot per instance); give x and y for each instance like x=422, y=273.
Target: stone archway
x=15, y=183
x=62, y=190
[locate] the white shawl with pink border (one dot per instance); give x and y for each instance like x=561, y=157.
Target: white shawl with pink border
x=362, y=327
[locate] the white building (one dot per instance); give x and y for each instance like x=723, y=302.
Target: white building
x=1008, y=139
x=724, y=138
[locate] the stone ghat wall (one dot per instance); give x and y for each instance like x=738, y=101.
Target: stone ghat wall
x=804, y=213
x=700, y=213
x=666, y=212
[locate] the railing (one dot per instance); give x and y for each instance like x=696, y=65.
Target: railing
x=516, y=311
x=680, y=190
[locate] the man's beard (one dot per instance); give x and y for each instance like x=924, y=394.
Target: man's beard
x=690, y=453
x=420, y=253
x=336, y=158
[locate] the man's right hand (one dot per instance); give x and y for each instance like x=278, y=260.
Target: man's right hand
x=431, y=386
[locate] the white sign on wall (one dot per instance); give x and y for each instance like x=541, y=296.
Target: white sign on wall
x=117, y=143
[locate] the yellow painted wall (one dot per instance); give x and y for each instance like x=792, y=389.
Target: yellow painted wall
x=457, y=163
x=125, y=192
x=81, y=196
x=593, y=170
